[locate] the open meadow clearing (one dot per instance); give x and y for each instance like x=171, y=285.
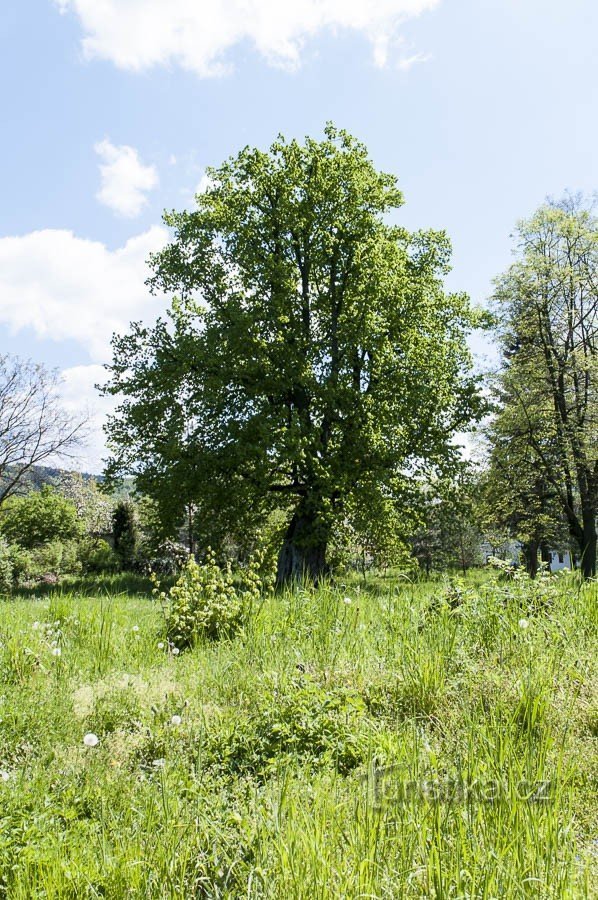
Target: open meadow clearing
x=386, y=740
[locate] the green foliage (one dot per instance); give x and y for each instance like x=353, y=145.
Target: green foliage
x=125, y=533
x=6, y=566
x=38, y=518
x=323, y=364
x=306, y=723
x=544, y=438
x=97, y=556
x=54, y=558
x=210, y=601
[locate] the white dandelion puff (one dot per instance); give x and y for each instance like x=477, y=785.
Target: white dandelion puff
x=176, y=720
x=523, y=624
x=56, y=651
x=91, y=739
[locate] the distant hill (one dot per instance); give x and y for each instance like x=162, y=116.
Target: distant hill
x=38, y=476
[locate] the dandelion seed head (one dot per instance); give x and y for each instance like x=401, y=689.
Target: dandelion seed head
x=91, y=739
x=523, y=624
x=160, y=645
x=176, y=720
x=56, y=651
x=4, y=776
x=347, y=601
x=135, y=628
x=175, y=651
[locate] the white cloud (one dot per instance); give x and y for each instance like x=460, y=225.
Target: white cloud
x=65, y=287
x=80, y=397
x=139, y=34
x=125, y=180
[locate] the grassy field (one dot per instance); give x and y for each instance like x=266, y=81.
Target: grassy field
x=394, y=740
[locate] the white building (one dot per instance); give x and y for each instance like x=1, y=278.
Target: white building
x=559, y=559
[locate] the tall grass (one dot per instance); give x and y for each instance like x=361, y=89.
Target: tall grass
x=396, y=740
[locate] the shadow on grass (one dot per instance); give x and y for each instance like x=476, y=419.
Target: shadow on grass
x=130, y=583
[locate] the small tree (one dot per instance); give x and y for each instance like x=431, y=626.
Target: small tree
x=34, y=426
x=94, y=507
x=125, y=533
x=38, y=518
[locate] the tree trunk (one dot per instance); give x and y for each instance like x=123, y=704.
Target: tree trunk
x=588, y=548
x=530, y=554
x=302, y=556
x=545, y=554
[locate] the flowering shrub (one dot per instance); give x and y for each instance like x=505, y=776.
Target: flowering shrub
x=208, y=600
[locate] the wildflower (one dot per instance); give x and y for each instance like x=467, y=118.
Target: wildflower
x=523, y=624
x=175, y=651
x=4, y=776
x=347, y=601
x=176, y=720
x=135, y=628
x=91, y=739
x=56, y=651
x=160, y=645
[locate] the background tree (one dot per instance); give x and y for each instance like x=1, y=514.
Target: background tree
x=548, y=307
x=125, y=533
x=94, y=507
x=34, y=426
x=515, y=499
x=312, y=358
x=449, y=536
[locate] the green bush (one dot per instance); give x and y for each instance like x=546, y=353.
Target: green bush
x=323, y=727
x=6, y=566
x=97, y=556
x=38, y=518
x=55, y=558
x=209, y=601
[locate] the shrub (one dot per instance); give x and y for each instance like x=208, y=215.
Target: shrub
x=209, y=600
x=98, y=556
x=166, y=558
x=54, y=558
x=39, y=517
x=322, y=727
x=6, y=567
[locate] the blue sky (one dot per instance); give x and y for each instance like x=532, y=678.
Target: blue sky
x=481, y=107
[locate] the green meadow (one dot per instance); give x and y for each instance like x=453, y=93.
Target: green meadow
x=384, y=739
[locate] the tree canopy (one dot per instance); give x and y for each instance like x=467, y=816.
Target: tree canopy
x=546, y=431
x=311, y=361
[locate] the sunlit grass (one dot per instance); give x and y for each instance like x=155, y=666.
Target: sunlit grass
x=413, y=742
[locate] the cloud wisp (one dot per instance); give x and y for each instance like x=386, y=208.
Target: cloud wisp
x=65, y=287
x=125, y=180
x=140, y=34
